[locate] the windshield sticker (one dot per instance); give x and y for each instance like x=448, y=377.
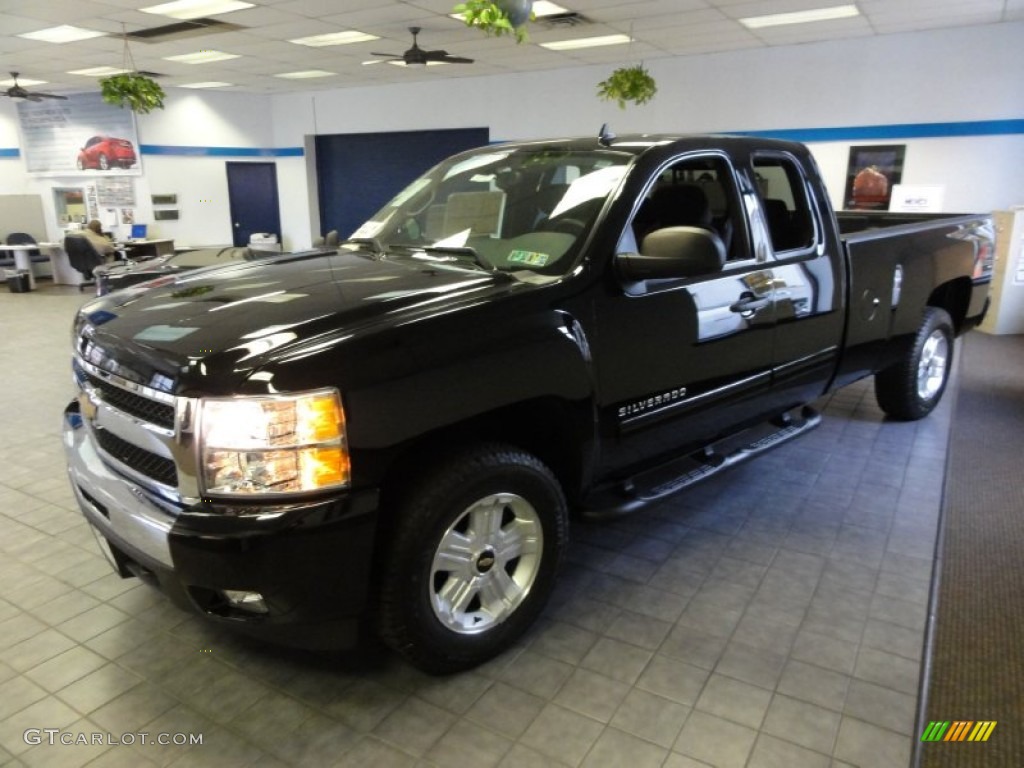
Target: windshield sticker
x=529, y=258
x=163, y=333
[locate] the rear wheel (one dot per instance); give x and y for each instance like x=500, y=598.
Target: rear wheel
x=913, y=387
x=104, y=162
x=473, y=558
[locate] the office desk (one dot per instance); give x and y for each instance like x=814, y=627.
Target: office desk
x=23, y=258
x=138, y=249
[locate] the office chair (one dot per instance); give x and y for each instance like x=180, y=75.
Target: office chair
x=23, y=238
x=83, y=258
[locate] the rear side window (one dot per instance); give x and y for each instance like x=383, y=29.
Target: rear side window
x=787, y=212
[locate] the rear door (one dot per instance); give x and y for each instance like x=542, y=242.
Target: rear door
x=682, y=361
x=806, y=277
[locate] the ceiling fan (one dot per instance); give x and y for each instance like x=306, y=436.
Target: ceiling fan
x=17, y=92
x=417, y=56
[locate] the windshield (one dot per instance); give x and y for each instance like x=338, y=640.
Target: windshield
x=499, y=209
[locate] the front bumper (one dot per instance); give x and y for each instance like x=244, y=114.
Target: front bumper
x=310, y=561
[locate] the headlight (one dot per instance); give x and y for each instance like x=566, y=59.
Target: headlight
x=273, y=444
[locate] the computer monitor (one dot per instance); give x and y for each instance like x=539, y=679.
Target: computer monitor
x=138, y=231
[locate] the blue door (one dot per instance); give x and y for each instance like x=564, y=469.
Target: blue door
x=357, y=173
x=252, y=197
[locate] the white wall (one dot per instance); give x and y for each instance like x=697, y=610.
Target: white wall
x=190, y=119
x=951, y=75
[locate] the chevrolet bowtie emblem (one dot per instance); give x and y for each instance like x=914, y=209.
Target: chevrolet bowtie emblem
x=86, y=405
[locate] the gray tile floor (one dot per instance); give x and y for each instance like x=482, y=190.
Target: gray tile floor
x=771, y=617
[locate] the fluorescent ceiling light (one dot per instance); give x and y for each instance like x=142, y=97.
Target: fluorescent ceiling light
x=98, y=71
x=306, y=73
x=801, y=17
x=23, y=81
x=202, y=57
x=62, y=34
x=586, y=42
x=542, y=8
x=207, y=84
x=335, y=38
x=196, y=9
x=415, y=66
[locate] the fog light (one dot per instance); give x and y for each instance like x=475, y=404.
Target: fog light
x=251, y=602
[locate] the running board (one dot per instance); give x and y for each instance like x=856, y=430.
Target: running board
x=682, y=472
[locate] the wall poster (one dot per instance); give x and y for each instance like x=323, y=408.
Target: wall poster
x=870, y=175
x=82, y=136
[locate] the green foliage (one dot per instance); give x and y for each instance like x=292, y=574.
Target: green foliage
x=628, y=84
x=490, y=17
x=137, y=92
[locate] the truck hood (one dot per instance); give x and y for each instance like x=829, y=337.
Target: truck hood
x=211, y=329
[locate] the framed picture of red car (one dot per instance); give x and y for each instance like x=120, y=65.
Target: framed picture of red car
x=80, y=135
x=870, y=175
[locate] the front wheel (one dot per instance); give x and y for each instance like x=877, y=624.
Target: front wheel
x=474, y=553
x=912, y=388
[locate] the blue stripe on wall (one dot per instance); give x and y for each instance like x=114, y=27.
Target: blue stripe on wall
x=847, y=133
x=168, y=149
x=895, y=131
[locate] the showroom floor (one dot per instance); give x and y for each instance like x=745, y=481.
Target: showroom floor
x=771, y=617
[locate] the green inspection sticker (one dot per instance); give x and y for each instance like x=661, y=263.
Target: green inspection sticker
x=529, y=258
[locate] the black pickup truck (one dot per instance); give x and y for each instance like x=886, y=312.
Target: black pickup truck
x=394, y=434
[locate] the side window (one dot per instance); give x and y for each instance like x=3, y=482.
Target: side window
x=787, y=212
x=694, y=192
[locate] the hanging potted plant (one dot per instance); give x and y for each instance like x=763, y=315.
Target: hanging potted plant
x=633, y=84
x=132, y=89
x=139, y=93
x=497, y=17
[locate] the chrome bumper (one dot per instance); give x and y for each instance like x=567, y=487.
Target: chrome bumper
x=122, y=511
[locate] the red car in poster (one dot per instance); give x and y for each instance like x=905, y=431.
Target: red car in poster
x=106, y=152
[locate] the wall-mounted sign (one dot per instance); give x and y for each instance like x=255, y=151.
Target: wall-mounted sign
x=80, y=136
x=917, y=198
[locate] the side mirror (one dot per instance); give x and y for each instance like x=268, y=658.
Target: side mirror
x=674, y=252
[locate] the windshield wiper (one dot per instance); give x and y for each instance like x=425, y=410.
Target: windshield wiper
x=375, y=244
x=464, y=250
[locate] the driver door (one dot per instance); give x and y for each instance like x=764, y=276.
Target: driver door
x=684, y=360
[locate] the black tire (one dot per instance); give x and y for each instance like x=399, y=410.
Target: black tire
x=103, y=162
x=474, y=552
x=912, y=388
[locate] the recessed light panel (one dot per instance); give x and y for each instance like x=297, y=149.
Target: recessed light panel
x=305, y=74
x=202, y=57
x=542, y=8
x=196, y=9
x=801, y=17
x=586, y=42
x=62, y=34
x=23, y=82
x=98, y=71
x=335, y=38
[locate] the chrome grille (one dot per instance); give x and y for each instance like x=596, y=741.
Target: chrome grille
x=161, y=414
x=138, y=459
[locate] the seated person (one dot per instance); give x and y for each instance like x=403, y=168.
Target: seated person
x=104, y=246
